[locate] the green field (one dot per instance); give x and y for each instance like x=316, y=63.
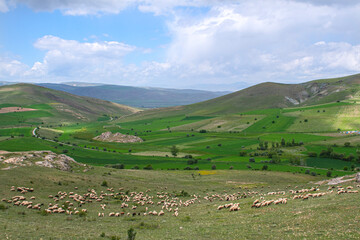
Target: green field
x=297, y=219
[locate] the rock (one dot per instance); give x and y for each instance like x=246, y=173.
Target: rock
x=357, y=177
x=40, y=158
x=117, y=137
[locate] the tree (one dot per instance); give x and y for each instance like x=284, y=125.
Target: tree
x=174, y=150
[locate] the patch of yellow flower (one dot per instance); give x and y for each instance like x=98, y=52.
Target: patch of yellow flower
x=207, y=172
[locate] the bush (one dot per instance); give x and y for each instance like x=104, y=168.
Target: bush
x=104, y=183
x=135, y=167
x=264, y=167
x=3, y=207
x=231, y=167
x=307, y=171
x=313, y=174
x=242, y=153
x=248, y=166
x=118, y=166
x=347, y=144
x=82, y=214
x=328, y=174
x=174, y=150
x=202, y=131
x=312, y=154
x=148, y=167
x=251, y=159
x=213, y=167
x=345, y=168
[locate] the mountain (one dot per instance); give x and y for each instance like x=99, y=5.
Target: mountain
x=269, y=95
x=137, y=96
x=55, y=106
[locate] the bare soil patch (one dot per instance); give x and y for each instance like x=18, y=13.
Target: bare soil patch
x=15, y=109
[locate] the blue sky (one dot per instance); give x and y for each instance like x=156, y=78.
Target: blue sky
x=214, y=45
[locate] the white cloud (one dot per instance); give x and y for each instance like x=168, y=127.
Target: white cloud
x=235, y=41
x=11, y=68
x=3, y=6
x=76, y=60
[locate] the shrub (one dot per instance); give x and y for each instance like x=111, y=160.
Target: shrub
x=174, y=150
x=231, y=167
x=307, y=171
x=118, y=166
x=148, y=167
x=202, y=131
x=313, y=174
x=345, y=168
x=104, y=183
x=135, y=167
x=328, y=174
x=312, y=154
x=213, y=167
x=242, y=153
x=82, y=214
x=347, y=144
x=251, y=159
x=248, y=166
x=3, y=207
x=264, y=167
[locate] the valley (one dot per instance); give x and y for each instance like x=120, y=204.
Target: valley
x=185, y=152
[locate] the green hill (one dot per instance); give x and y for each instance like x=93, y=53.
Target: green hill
x=269, y=95
x=137, y=96
x=53, y=106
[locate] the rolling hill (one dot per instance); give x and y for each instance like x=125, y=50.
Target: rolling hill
x=269, y=95
x=49, y=106
x=136, y=96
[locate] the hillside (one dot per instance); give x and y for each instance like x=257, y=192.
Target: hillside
x=137, y=96
x=47, y=105
x=270, y=95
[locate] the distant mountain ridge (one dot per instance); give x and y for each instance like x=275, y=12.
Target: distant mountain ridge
x=269, y=95
x=143, y=97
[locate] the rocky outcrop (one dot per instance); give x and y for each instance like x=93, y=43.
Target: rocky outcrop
x=39, y=158
x=117, y=137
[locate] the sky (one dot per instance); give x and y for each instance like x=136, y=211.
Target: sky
x=202, y=44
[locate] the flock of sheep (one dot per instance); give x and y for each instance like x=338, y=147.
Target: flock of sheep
x=159, y=204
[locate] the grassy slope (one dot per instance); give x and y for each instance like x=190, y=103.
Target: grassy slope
x=54, y=105
x=330, y=217
x=265, y=96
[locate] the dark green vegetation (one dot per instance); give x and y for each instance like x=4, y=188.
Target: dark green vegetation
x=138, y=96
x=331, y=216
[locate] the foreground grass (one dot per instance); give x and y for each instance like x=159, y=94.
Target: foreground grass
x=330, y=217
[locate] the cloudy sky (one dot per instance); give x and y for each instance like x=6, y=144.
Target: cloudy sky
x=204, y=44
